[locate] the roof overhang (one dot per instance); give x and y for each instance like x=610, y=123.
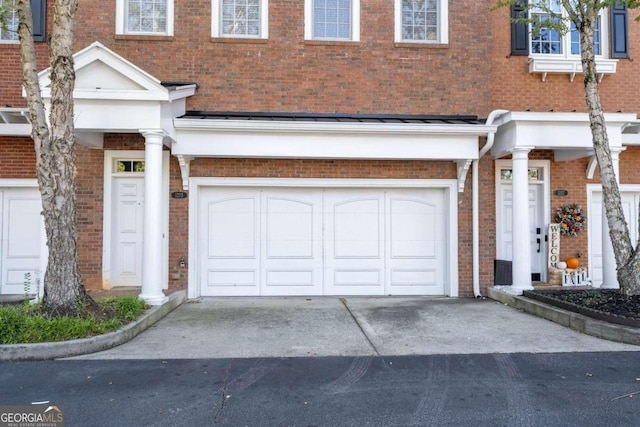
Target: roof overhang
x=14, y=122
x=198, y=137
x=567, y=134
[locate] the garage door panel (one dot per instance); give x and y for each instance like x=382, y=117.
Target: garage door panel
x=415, y=229
x=228, y=242
x=231, y=283
x=232, y=228
x=291, y=242
x=290, y=231
x=417, y=236
x=357, y=226
x=354, y=246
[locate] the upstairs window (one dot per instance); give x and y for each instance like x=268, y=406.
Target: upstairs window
x=421, y=21
x=144, y=17
x=239, y=18
x=610, y=35
x=332, y=20
x=10, y=34
x=548, y=41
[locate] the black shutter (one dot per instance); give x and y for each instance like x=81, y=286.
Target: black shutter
x=619, y=31
x=519, y=31
x=39, y=13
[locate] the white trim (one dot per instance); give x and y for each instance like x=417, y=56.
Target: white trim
x=443, y=24
x=18, y=182
x=355, y=22
x=597, y=188
x=449, y=185
x=216, y=27
x=44, y=249
x=110, y=156
x=121, y=24
x=546, y=195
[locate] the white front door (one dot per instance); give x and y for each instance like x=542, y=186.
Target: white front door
x=630, y=200
x=127, y=227
x=537, y=226
x=22, y=230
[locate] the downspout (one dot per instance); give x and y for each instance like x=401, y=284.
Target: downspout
x=475, y=203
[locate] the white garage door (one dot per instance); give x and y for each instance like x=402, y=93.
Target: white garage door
x=308, y=241
x=630, y=208
x=22, y=234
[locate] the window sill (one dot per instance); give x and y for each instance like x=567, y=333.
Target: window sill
x=545, y=65
x=421, y=45
x=331, y=42
x=239, y=40
x=158, y=38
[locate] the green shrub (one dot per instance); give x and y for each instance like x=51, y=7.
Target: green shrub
x=26, y=324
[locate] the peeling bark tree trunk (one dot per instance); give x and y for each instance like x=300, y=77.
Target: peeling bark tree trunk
x=628, y=264
x=55, y=155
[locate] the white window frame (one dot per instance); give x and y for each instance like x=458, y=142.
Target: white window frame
x=216, y=25
x=566, y=63
x=11, y=41
x=121, y=21
x=355, y=23
x=566, y=39
x=443, y=24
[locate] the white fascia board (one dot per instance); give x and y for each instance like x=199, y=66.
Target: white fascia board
x=115, y=116
x=318, y=145
x=562, y=117
x=630, y=139
x=324, y=127
x=15, y=129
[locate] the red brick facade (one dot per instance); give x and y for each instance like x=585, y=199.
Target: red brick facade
x=473, y=74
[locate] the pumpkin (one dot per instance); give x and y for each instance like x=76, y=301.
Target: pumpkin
x=572, y=262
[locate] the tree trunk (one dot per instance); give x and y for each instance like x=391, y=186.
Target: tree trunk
x=628, y=269
x=55, y=155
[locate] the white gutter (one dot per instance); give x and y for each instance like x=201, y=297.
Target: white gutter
x=475, y=202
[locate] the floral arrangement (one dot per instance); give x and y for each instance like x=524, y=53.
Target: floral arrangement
x=571, y=219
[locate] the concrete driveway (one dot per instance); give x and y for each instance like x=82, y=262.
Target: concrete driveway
x=352, y=326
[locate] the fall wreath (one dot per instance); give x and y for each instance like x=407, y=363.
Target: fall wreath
x=571, y=219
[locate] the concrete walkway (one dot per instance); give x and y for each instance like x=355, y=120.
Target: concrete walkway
x=353, y=326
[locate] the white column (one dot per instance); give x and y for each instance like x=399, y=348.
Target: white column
x=521, y=250
x=152, y=241
x=609, y=267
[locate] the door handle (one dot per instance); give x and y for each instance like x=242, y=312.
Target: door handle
x=538, y=242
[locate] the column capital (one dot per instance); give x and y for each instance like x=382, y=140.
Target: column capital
x=520, y=152
x=153, y=135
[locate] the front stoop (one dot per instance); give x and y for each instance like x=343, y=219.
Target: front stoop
x=56, y=350
x=575, y=321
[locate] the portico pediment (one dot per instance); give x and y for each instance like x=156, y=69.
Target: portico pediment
x=112, y=94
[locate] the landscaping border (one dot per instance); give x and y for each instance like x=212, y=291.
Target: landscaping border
x=546, y=296
x=575, y=321
x=56, y=350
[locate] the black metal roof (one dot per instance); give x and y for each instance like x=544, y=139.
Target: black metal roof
x=171, y=85
x=334, y=117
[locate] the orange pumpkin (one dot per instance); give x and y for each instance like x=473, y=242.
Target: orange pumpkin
x=572, y=262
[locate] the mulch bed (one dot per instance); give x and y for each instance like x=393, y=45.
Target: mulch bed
x=603, y=304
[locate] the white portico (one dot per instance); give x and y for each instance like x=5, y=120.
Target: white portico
x=569, y=136
x=114, y=96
